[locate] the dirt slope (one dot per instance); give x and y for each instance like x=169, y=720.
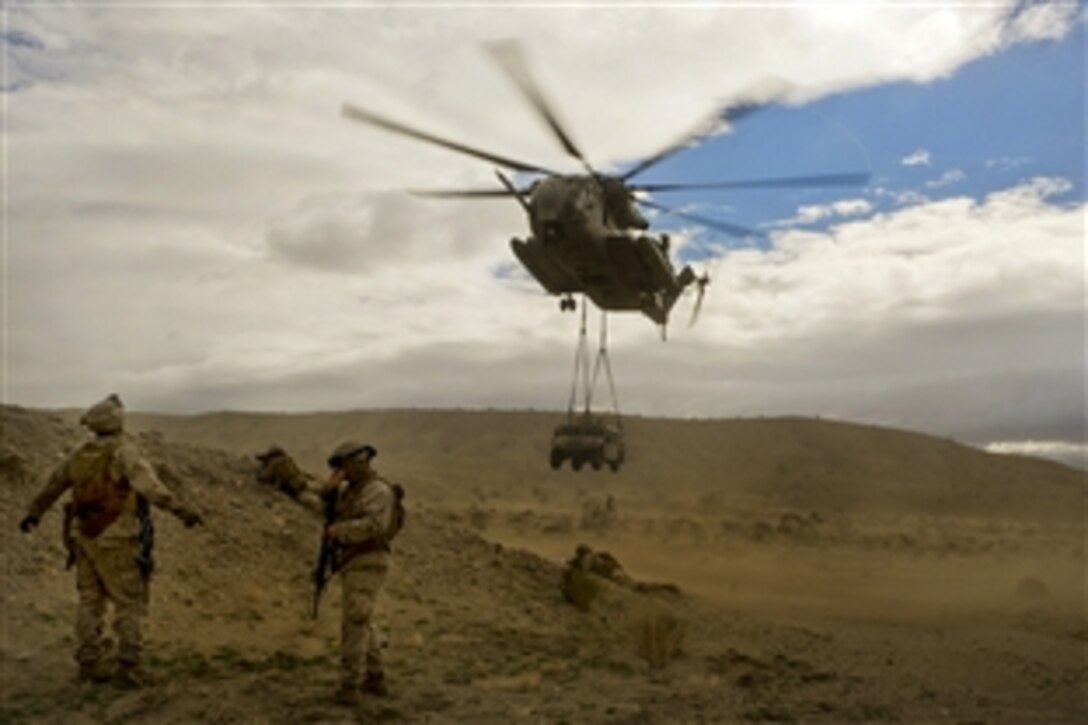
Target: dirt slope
x=830, y=572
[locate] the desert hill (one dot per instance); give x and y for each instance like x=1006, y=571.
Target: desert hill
x=802, y=463
x=827, y=572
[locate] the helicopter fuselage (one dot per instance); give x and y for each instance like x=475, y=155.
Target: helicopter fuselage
x=587, y=234
x=588, y=237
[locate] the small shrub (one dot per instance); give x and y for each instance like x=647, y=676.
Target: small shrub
x=184, y=662
x=658, y=638
x=478, y=518
x=1031, y=587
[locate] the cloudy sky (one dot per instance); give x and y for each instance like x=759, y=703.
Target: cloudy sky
x=189, y=221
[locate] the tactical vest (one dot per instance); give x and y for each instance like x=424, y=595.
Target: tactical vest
x=345, y=553
x=99, y=492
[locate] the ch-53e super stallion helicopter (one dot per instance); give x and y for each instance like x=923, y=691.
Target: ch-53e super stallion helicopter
x=588, y=235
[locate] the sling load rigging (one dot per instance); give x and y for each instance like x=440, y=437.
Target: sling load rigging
x=585, y=436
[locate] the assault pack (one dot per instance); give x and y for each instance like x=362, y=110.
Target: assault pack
x=98, y=497
x=396, y=521
x=98, y=491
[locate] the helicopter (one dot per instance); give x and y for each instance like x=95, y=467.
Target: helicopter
x=587, y=233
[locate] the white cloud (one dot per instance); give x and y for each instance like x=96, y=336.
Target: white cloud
x=1007, y=163
x=901, y=197
x=1042, y=20
x=952, y=176
x=934, y=261
x=1072, y=454
x=366, y=233
x=813, y=213
x=921, y=157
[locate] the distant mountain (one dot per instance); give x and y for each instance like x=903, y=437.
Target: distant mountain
x=801, y=462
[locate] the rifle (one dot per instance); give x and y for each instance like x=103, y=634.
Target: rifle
x=145, y=558
x=326, y=556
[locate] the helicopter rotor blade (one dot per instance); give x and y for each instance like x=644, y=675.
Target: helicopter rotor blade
x=465, y=193
x=518, y=193
x=731, y=229
x=509, y=57
x=728, y=114
x=357, y=114
x=818, y=180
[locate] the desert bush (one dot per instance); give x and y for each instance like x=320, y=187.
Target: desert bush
x=598, y=515
x=579, y=587
x=183, y=662
x=478, y=518
x=1031, y=587
x=658, y=638
x=557, y=524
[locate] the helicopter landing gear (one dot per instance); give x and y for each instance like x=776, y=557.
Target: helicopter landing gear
x=567, y=304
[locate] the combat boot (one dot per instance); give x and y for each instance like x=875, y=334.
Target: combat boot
x=131, y=677
x=375, y=685
x=93, y=673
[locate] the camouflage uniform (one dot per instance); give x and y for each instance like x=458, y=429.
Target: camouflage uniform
x=363, y=514
x=599, y=563
x=280, y=470
x=107, y=561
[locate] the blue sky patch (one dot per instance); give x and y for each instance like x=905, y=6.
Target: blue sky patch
x=20, y=39
x=998, y=121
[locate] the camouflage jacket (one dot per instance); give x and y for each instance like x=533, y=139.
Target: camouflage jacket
x=363, y=514
x=127, y=465
x=282, y=472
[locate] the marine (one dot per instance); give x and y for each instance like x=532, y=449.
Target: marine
x=364, y=513
x=110, y=537
x=276, y=468
x=599, y=562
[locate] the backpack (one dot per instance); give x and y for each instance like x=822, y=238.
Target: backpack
x=98, y=493
x=396, y=520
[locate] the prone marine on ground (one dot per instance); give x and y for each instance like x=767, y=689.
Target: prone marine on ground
x=109, y=524
x=363, y=514
x=276, y=468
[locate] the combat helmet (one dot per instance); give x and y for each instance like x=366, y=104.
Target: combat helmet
x=272, y=452
x=105, y=417
x=348, y=450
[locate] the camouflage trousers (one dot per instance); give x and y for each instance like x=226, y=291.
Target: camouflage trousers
x=106, y=571
x=360, y=653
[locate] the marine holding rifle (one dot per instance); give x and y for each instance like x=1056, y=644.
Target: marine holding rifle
x=109, y=535
x=363, y=514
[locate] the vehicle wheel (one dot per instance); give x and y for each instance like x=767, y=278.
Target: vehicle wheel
x=576, y=463
x=597, y=461
x=614, y=465
x=556, y=459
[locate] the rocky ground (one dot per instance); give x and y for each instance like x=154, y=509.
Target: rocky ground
x=818, y=572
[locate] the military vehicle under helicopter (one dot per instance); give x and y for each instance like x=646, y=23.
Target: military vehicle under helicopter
x=585, y=436
x=587, y=233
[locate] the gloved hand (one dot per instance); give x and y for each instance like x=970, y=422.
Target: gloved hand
x=190, y=519
x=28, y=523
